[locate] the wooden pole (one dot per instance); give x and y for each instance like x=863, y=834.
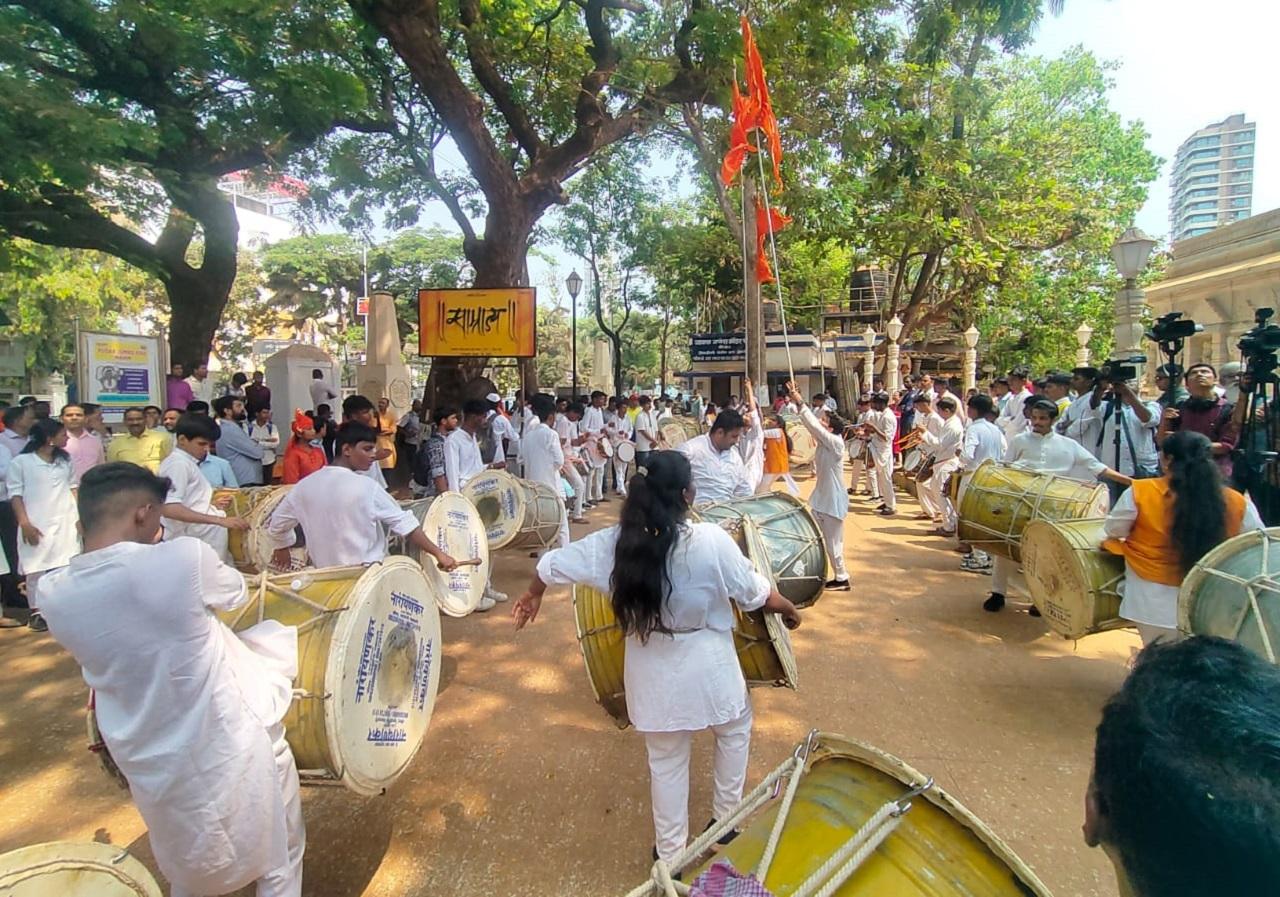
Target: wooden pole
x=754, y=314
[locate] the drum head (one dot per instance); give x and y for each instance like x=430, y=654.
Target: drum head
x=258, y=542
x=382, y=674
x=1073, y=582
x=803, y=446
x=499, y=500
x=74, y=869
x=453, y=523
x=626, y=451
x=911, y=459
x=674, y=433
x=1234, y=593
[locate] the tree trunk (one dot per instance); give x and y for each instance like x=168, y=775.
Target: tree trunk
x=198, y=296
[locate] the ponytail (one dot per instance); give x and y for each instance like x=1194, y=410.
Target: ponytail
x=649, y=529
x=42, y=431
x=1199, y=508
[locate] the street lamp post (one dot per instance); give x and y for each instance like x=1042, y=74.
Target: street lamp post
x=1083, y=334
x=1130, y=254
x=893, y=330
x=868, y=360
x=574, y=283
x=970, y=358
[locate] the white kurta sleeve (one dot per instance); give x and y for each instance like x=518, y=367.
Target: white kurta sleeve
x=588, y=561
x=1121, y=519
x=13, y=479
x=389, y=513
x=221, y=587
x=1252, y=519
x=1085, y=457
x=820, y=433
x=452, y=465
x=6, y=458
x=282, y=528
x=747, y=588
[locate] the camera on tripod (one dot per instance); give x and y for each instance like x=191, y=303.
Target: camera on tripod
x=1121, y=370
x=1172, y=328
x=1260, y=344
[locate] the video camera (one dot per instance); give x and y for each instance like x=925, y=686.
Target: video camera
x=1173, y=328
x=1260, y=344
x=1121, y=370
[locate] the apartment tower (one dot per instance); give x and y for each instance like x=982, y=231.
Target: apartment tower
x=1212, y=181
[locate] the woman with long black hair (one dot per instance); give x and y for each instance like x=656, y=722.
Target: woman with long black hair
x=1164, y=525
x=673, y=585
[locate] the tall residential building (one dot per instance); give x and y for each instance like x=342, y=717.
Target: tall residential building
x=1212, y=181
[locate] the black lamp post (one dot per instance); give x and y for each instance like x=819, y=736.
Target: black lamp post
x=574, y=283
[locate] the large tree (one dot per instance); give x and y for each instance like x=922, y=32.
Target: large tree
x=119, y=118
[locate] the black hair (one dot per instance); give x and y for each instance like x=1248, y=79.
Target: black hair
x=239, y=379
x=1199, y=508
x=136, y=409
x=922, y=399
x=223, y=404
x=1051, y=408
x=103, y=489
x=89, y=407
x=727, y=420
x=155, y=408
x=317, y=374
x=576, y=408
x=353, y=433
x=475, y=408
x=13, y=413
x=41, y=432
x=543, y=406
x=1186, y=771
x=982, y=404
x=648, y=531
x=77, y=405
x=1000, y=381
x=265, y=406
x=199, y=406
x=1020, y=373
x=596, y=394
x=947, y=404
x=323, y=408
x=196, y=364
x=1059, y=378
x=353, y=405
x=197, y=426
x=443, y=412
x=27, y=400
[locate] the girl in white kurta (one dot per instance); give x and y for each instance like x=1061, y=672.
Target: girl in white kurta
x=674, y=584
x=829, y=500
x=39, y=482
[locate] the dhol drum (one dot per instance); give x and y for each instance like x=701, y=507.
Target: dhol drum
x=762, y=642
x=1234, y=592
x=932, y=845
x=804, y=448
x=369, y=650
x=676, y=431
x=905, y=477
x=1075, y=584
x=454, y=525
x=793, y=543
x=1000, y=500
x=599, y=451
x=626, y=452
x=516, y=513
x=74, y=869
x=398, y=544
x=250, y=549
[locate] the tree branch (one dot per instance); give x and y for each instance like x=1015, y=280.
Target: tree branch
x=697, y=135
x=491, y=80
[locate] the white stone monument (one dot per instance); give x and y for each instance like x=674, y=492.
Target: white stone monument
x=384, y=372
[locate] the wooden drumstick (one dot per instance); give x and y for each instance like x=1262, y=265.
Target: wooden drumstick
x=473, y=562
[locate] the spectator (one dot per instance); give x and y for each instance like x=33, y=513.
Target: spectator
x=321, y=393
x=201, y=385
x=1204, y=411
x=137, y=444
x=234, y=444
x=263, y=431
x=257, y=394
x=303, y=455
x=177, y=390
x=238, y=381
x=84, y=447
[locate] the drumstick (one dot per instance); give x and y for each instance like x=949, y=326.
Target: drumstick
x=473, y=562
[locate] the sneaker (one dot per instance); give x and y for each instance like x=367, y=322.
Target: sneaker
x=837, y=585
x=885, y=512
x=494, y=595
x=486, y=603
x=37, y=624
x=994, y=602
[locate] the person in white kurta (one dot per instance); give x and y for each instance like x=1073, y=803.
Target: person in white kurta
x=567, y=427
x=190, y=508
x=982, y=440
x=592, y=426
x=618, y=427
x=39, y=485
x=945, y=449
x=541, y=455
x=719, y=473
x=1012, y=419
x=462, y=462
x=829, y=500
x=751, y=445
x=687, y=678
x=882, y=427
x=191, y=712
x=928, y=425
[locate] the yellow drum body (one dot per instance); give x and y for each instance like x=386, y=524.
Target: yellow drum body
x=251, y=549
x=369, y=650
x=1234, y=593
x=516, y=513
x=1000, y=500
x=793, y=545
x=939, y=849
x=1074, y=583
x=74, y=869
x=762, y=642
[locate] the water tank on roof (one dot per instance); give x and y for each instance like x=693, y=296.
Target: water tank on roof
x=868, y=283
x=769, y=311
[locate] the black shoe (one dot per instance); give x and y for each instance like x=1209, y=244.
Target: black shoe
x=994, y=603
x=885, y=512
x=37, y=624
x=727, y=837
x=837, y=585
x=675, y=876
x=1035, y=611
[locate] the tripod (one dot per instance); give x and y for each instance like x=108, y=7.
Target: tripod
x=1115, y=408
x=1255, y=469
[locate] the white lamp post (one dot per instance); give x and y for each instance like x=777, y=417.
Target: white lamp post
x=1130, y=254
x=868, y=360
x=970, y=358
x=1083, y=334
x=893, y=330
x=574, y=283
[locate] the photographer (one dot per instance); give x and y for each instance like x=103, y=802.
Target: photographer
x=1169, y=382
x=1207, y=413
x=1122, y=426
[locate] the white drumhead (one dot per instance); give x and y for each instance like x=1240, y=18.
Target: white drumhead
x=498, y=497
x=911, y=459
x=258, y=542
x=626, y=451
x=674, y=433
x=453, y=523
x=74, y=869
x=382, y=674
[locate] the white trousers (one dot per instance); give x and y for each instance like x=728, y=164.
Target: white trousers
x=864, y=472
x=1150, y=633
x=571, y=474
x=933, y=497
x=595, y=483
x=1000, y=575
x=884, y=480
x=669, y=779
x=766, y=482
x=833, y=534
x=620, y=476
x=285, y=880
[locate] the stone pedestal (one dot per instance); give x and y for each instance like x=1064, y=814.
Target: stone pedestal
x=384, y=372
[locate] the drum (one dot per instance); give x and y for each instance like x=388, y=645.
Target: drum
x=516, y=513
x=626, y=452
x=678, y=430
x=905, y=477
x=803, y=446
x=453, y=523
x=599, y=451
x=939, y=848
x=762, y=642
x=1234, y=592
x=398, y=544
x=793, y=543
x=1074, y=583
x=1000, y=500
x=369, y=650
x=74, y=869
x=251, y=549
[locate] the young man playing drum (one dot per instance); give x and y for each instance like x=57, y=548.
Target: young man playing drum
x=592, y=426
x=190, y=508
x=719, y=473
x=191, y=712
x=542, y=456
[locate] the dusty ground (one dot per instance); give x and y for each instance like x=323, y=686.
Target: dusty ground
x=524, y=787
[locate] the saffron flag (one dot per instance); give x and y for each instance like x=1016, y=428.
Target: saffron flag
x=745, y=118
x=758, y=91
x=774, y=221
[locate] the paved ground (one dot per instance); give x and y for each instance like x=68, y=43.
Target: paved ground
x=524, y=787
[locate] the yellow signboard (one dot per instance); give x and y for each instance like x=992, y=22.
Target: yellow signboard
x=497, y=323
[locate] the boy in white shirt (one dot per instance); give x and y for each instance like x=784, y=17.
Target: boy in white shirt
x=945, y=449
x=881, y=427
x=189, y=508
x=982, y=440
x=542, y=455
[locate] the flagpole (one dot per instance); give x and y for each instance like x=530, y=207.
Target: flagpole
x=773, y=249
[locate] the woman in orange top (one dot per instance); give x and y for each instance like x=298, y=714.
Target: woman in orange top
x=1163, y=526
x=303, y=455
x=777, y=456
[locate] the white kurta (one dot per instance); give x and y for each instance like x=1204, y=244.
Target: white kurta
x=189, y=488
x=644, y=423
x=541, y=455
x=462, y=459
x=982, y=440
x=343, y=515
x=183, y=704
x=751, y=447
x=1011, y=419
x=717, y=476
x=592, y=424
x=829, y=496
x=1055, y=454
x=45, y=490
x=1137, y=439
x=689, y=680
